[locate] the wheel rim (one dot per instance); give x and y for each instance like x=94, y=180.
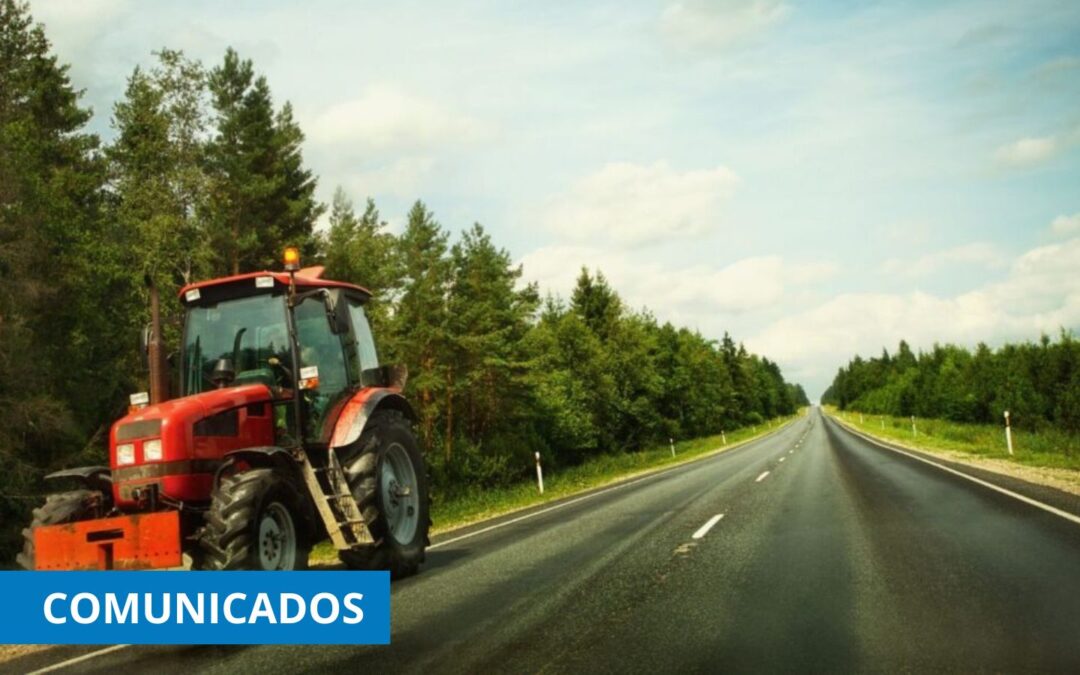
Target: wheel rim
x=400, y=493
x=277, y=538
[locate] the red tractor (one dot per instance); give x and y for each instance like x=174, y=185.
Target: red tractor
x=286, y=431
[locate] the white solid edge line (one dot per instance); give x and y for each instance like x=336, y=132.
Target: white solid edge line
x=997, y=488
x=704, y=529
x=79, y=659
x=761, y=477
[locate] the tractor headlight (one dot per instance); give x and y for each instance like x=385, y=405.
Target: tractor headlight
x=125, y=454
x=151, y=450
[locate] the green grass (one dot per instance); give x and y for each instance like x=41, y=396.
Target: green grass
x=471, y=505
x=1046, y=448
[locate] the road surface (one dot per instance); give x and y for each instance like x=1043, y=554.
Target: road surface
x=832, y=554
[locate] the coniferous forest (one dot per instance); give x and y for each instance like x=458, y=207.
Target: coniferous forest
x=1038, y=383
x=203, y=175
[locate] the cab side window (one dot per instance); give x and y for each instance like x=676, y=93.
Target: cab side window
x=365, y=343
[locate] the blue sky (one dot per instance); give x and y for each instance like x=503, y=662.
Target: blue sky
x=817, y=178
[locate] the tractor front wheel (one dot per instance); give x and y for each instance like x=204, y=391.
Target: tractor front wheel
x=59, y=508
x=255, y=522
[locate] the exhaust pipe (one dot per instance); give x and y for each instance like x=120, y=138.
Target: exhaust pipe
x=159, y=371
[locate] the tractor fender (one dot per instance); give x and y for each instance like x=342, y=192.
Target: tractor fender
x=93, y=477
x=268, y=456
x=358, y=410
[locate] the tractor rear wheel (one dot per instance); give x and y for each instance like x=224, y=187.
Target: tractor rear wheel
x=59, y=508
x=388, y=479
x=255, y=522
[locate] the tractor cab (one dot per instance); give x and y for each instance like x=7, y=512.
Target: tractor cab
x=305, y=338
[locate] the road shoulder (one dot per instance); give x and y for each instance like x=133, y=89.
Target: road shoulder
x=1026, y=481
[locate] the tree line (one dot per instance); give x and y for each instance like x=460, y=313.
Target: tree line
x=204, y=176
x=1038, y=383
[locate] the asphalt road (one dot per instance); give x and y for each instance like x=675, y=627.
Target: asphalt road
x=844, y=556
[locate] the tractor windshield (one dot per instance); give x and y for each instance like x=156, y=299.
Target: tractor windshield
x=250, y=332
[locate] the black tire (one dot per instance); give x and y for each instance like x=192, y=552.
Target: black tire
x=363, y=463
x=59, y=508
x=239, y=507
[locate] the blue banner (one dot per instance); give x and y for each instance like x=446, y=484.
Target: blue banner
x=195, y=607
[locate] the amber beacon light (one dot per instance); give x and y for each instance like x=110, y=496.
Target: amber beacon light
x=292, y=259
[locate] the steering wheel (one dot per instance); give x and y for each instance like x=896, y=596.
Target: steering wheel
x=283, y=370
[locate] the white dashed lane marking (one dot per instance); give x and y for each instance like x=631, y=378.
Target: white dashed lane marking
x=704, y=529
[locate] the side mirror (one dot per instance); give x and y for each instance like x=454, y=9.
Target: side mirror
x=337, y=311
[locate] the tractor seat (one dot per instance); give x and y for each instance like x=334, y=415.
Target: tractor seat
x=256, y=376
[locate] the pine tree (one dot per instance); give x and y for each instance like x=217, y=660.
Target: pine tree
x=157, y=177
x=295, y=203
x=361, y=251
x=487, y=319
x=261, y=196
x=419, y=322
x=59, y=267
x=595, y=301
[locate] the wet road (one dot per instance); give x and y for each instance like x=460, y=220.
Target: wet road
x=811, y=549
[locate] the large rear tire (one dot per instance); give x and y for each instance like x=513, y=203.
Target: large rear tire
x=59, y=508
x=255, y=522
x=388, y=479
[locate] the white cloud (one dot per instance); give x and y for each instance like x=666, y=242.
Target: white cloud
x=694, y=292
x=1027, y=151
x=401, y=178
x=1066, y=225
x=75, y=24
x=1041, y=293
x=634, y=204
x=979, y=254
x=386, y=118
x=718, y=23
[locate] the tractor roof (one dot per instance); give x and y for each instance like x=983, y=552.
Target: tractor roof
x=308, y=277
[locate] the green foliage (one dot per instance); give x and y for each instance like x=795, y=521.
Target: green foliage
x=1038, y=383
x=55, y=277
x=204, y=177
x=1046, y=447
x=260, y=194
x=361, y=249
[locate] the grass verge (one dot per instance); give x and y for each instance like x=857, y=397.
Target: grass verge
x=1050, y=457
x=472, y=505
x=1049, y=448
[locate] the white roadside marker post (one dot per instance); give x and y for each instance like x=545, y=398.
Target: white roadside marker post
x=671, y=441
x=860, y=418
x=882, y=422
x=539, y=474
x=914, y=431
x=1008, y=433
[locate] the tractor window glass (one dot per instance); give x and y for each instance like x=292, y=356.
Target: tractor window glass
x=365, y=344
x=249, y=332
x=319, y=347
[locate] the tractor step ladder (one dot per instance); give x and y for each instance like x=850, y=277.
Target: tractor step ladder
x=338, y=508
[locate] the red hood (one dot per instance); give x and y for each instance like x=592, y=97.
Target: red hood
x=176, y=418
